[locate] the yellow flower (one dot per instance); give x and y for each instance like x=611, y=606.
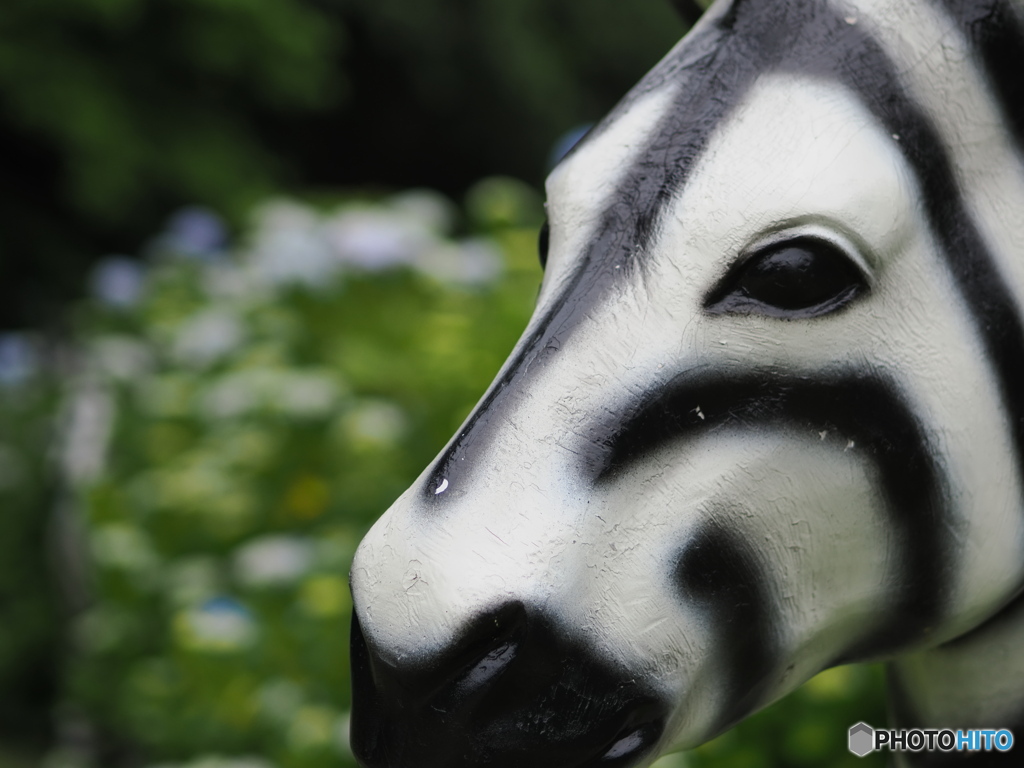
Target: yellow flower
x=307, y=498
x=324, y=596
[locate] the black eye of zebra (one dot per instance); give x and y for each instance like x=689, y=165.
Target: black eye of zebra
x=803, y=277
x=542, y=244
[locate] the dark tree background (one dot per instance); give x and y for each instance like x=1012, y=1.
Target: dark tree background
x=113, y=113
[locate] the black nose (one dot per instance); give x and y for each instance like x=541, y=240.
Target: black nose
x=513, y=692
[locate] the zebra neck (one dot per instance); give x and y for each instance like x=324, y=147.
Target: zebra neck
x=974, y=681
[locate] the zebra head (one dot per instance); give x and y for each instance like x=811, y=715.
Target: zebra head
x=767, y=417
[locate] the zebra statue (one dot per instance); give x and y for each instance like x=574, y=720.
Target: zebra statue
x=767, y=418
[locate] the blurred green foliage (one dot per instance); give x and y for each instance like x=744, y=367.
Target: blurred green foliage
x=264, y=408
x=131, y=93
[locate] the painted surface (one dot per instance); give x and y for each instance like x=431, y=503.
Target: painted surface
x=767, y=417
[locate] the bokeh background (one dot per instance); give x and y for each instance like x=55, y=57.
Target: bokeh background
x=258, y=259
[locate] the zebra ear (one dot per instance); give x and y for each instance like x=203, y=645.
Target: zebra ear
x=689, y=10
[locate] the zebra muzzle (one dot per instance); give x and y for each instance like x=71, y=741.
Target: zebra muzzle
x=513, y=691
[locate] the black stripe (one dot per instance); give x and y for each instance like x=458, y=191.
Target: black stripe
x=625, y=228
x=865, y=410
x=995, y=32
x=717, y=572
x=452, y=468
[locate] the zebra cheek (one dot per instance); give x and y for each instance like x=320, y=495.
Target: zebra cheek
x=733, y=565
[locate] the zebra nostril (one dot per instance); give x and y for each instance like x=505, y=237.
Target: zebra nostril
x=480, y=655
x=513, y=690
x=642, y=731
x=489, y=667
x=490, y=646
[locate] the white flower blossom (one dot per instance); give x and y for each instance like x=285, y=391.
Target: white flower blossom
x=295, y=393
x=89, y=420
x=273, y=560
x=120, y=357
x=289, y=248
x=220, y=624
x=19, y=358
x=377, y=421
x=470, y=262
x=208, y=337
x=432, y=210
x=377, y=239
x=118, y=281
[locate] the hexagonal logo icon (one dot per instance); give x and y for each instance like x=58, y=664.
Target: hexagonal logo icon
x=862, y=739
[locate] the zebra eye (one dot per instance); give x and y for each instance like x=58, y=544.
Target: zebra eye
x=542, y=244
x=805, y=277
